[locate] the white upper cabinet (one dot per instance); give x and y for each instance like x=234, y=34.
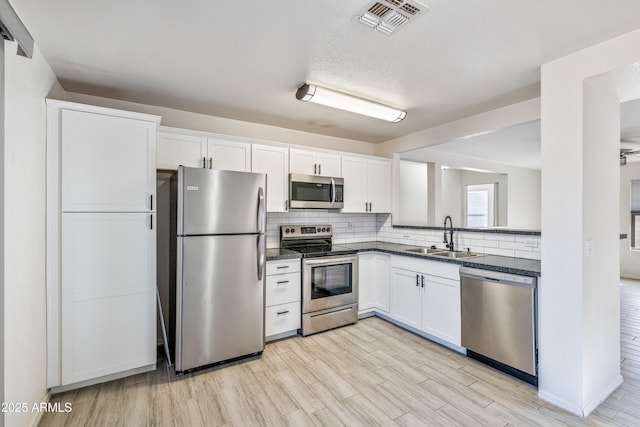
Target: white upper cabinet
x=175, y=149
x=107, y=164
x=314, y=163
x=367, y=184
x=274, y=161
x=228, y=155
x=185, y=148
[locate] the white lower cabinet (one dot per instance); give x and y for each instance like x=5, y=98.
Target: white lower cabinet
x=282, y=298
x=406, y=297
x=426, y=295
x=373, y=282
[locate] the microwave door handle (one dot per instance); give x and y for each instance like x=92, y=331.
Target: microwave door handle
x=333, y=191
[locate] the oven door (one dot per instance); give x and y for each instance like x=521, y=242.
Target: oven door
x=329, y=282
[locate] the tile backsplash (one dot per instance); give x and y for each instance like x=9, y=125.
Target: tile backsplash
x=354, y=228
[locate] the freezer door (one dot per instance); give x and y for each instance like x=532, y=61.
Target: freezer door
x=220, y=202
x=220, y=299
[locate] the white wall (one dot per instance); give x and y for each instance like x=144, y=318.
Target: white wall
x=27, y=83
x=579, y=298
x=413, y=199
x=629, y=260
x=2, y=298
x=523, y=187
x=201, y=122
x=452, y=197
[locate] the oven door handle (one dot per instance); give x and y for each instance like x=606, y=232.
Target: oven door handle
x=330, y=260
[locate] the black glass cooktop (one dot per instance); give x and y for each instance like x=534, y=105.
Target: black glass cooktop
x=322, y=249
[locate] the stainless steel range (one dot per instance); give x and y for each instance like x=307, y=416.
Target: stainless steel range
x=329, y=277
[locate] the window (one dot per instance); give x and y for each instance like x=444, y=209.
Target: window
x=480, y=205
x=635, y=214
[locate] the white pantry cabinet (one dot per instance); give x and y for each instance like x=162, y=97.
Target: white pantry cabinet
x=106, y=162
x=314, y=162
x=108, y=322
x=274, y=161
x=282, y=298
x=367, y=184
x=194, y=149
x=373, y=282
x=101, y=258
x=425, y=295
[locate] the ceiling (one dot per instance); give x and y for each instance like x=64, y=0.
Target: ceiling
x=245, y=59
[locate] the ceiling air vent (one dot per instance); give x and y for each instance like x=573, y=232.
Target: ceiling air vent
x=387, y=16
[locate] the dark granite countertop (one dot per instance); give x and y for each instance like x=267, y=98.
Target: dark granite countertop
x=504, y=264
x=522, y=266
x=274, y=254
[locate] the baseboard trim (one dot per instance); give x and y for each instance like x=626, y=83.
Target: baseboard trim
x=103, y=379
x=589, y=408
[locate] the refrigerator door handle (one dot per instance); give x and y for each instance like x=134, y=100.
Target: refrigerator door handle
x=261, y=256
x=261, y=211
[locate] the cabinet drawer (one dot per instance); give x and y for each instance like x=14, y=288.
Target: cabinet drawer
x=282, y=318
x=282, y=288
x=283, y=266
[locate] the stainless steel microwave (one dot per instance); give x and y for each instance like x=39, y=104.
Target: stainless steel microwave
x=315, y=192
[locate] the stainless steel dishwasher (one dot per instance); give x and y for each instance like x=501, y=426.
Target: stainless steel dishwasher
x=499, y=320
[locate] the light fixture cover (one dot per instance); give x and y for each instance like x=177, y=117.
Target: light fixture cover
x=343, y=101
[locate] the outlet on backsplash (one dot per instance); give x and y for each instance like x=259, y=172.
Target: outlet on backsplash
x=349, y=224
x=532, y=243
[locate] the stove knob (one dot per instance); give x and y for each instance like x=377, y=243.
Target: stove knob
x=286, y=230
x=328, y=229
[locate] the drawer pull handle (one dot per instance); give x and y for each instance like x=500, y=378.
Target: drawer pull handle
x=281, y=282
x=282, y=266
x=283, y=312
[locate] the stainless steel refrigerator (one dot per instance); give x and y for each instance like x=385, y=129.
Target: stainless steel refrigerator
x=218, y=244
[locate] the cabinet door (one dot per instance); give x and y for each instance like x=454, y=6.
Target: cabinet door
x=441, y=309
x=366, y=281
x=329, y=164
x=354, y=172
x=303, y=161
x=381, y=269
x=229, y=155
x=108, y=305
x=274, y=161
x=186, y=150
x=373, y=281
x=379, y=185
x=108, y=163
x=406, y=304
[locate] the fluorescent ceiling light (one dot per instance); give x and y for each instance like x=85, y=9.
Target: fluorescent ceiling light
x=332, y=98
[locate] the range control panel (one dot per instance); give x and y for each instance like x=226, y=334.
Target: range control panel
x=288, y=232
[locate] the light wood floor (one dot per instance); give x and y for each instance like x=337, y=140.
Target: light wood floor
x=371, y=373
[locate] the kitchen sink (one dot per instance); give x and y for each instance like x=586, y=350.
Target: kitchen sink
x=431, y=251
x=444, y=253
x=454, y=254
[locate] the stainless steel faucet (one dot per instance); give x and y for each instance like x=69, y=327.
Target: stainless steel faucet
x=447, y=243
